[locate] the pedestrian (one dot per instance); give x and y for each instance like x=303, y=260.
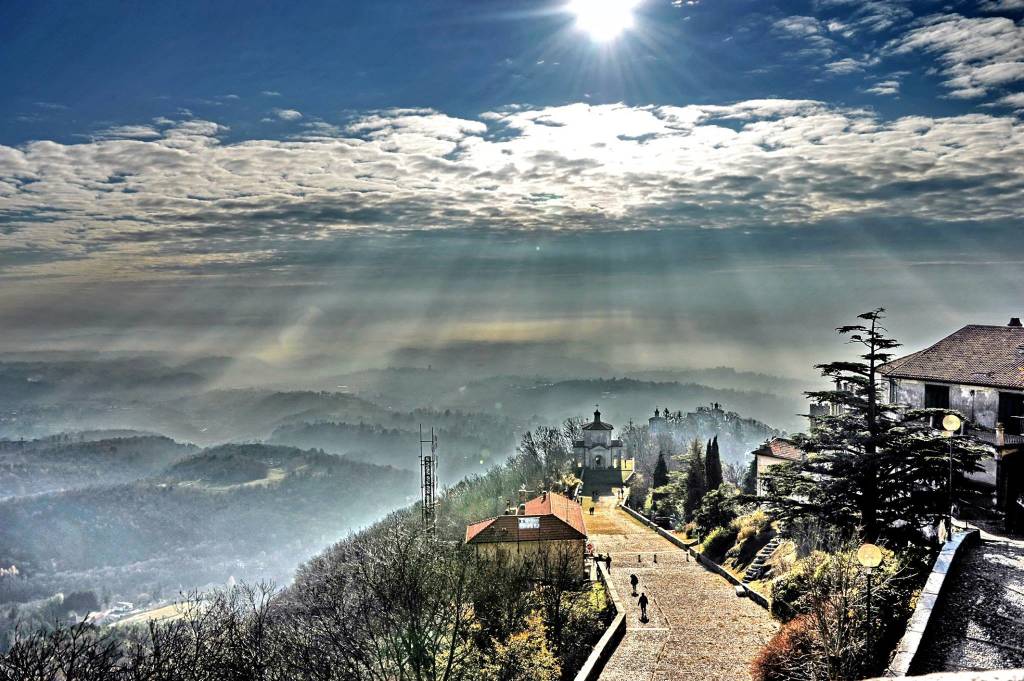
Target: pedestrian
x=591, y=510
x=633, y=581
x=608, y=562
x=643, y=607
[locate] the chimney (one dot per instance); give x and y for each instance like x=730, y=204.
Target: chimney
x=522, y=509
x=1014, y=321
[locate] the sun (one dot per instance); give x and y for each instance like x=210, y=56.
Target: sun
x=603, y=20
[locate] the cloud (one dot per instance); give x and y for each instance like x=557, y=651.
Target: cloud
x=288, y=114
x=978, y=54
x=885, y=88
x=810, y=31
x=1000, y=5
x=182, y=198
x=137, y=132
x=849, y=65
x=1015, y=100
x=270, y=93
x=872, y=16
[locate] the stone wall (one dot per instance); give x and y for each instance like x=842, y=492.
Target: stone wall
x=604, y=648
x=981, y=407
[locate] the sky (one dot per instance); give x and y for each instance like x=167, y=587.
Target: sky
x=646, y=183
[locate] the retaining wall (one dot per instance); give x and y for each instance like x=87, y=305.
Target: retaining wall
x=951, y=552
x=604, y=648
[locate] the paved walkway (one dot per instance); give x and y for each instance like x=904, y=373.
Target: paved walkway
x=980, y=622
x=698, y=628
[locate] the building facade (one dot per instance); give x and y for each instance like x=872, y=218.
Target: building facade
x=545, y=531
x=977, y=371
x=598, y=449
x=773, y=452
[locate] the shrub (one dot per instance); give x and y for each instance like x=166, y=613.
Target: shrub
x=752, y=524
x=718, y=508
x=718, y=542
x=790, y=655
x=524, y=657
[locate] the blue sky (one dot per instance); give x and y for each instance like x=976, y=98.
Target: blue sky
x=126, y=63
x=738, y=160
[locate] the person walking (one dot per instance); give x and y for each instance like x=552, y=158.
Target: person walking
x=643, y=607
x=633, y=581
x=608, y=562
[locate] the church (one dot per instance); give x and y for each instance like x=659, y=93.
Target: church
x=598, y=449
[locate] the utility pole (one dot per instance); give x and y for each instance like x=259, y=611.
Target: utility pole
x=428, y=482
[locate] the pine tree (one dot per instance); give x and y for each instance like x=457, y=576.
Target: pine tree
x=872, y=467
x=713, y=465
x=696, y=483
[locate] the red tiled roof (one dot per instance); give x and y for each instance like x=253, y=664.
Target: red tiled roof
x=975, y=355
x=558, y=518
x=780, y=448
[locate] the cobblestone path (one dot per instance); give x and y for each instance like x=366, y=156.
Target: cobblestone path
x=980, y=623
x=698, y=628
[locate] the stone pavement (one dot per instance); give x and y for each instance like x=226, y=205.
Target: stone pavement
x=979, y=624
x=698, y=628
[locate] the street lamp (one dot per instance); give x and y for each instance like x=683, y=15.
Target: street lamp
x=869, y=556
x=950, y=425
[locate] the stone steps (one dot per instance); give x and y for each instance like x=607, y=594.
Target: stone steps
x=756, y=567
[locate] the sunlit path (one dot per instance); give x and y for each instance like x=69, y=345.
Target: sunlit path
x=697, y=628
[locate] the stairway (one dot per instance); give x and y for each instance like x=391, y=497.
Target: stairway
x=756, y=568
x=601, y=481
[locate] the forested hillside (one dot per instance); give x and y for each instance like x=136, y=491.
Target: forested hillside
x=72, y=461
x=243, y=511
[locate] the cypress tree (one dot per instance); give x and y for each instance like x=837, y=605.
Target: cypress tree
x=696, y=482
x=713, y=465
x=659, y=480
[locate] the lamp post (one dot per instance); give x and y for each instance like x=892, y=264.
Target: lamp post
x=869, y=556
x=950, y=425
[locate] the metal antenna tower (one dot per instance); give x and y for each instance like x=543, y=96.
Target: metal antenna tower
x=428, y=480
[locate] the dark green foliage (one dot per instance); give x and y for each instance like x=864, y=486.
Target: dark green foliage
x=749, y=482
x=713, y=465
x=718, y=508
x=718, y=542
x=659, y=483
x=874, y=466
x=696, y=483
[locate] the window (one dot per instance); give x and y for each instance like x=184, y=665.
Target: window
x=892, y=391
x=1011, y=412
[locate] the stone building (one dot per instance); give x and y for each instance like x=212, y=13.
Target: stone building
x=979, y=372
x=598, y=449
x=773, y=452
x=542, y=529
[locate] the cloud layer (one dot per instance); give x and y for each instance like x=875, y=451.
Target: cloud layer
x=978, y=54
x=173, y=194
